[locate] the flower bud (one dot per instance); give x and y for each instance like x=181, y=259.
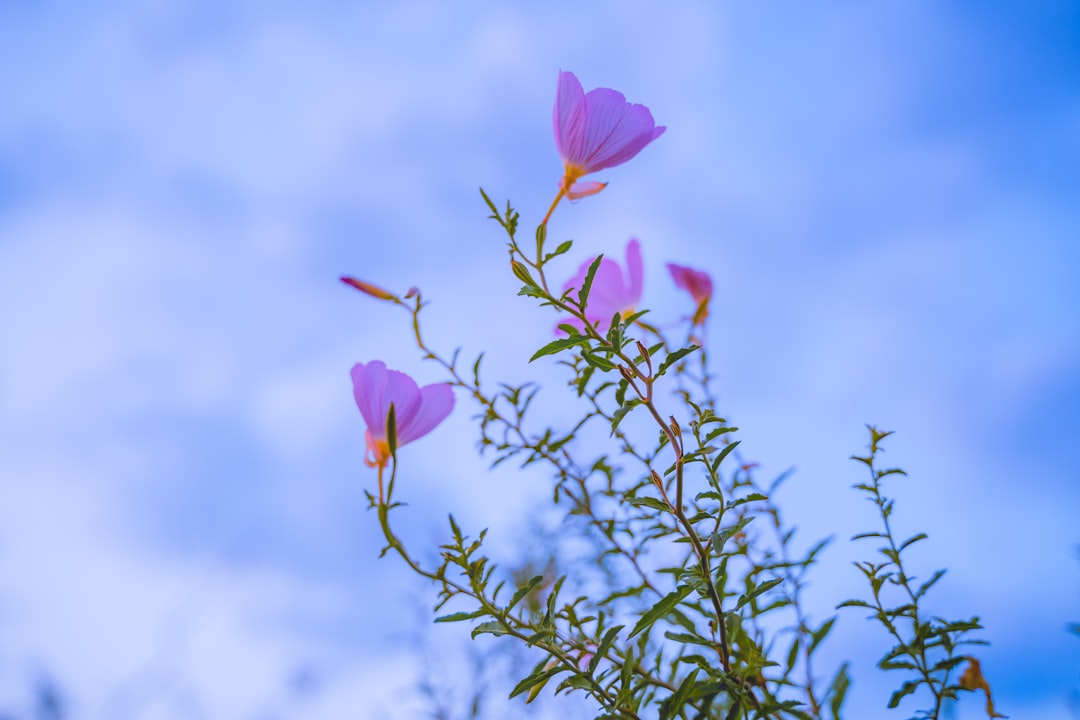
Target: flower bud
x=365, y=287
x=522, y=272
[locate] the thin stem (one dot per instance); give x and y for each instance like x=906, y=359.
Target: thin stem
x=554, y=204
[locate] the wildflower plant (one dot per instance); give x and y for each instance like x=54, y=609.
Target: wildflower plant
x=693, y=605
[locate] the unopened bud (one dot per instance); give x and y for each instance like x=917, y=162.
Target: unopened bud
x=522, y=272
x=645, y=355
x=413, y=292
x=365, y=287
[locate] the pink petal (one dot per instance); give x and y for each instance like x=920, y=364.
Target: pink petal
x=436, y=403
x=582, y=189
x=569, y=116
x=695, y=282
x=615, y=130
x=376, y=388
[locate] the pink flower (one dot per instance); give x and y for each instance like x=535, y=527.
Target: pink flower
x=416, y=410
x=611, y=292
x=698, y=284
x=595, y=131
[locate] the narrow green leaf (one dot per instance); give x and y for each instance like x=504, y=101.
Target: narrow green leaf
x=476, y=369
x=912, y=540
x=562, y=248
x=620, y=413
x=667, y=603
x=756, y=591
x=597, y=361
x=906, y=689
x=838, y=690
x=687, y=639
x=583, y=381
x=487, y=200
x=538, y=679
x=725, y=534
x=459, y=616
x=583, y=292
x=575, y=682
x=531, y=291
x=724, y=430
x=929, y=583
x=491, y=627
x=752, y=497
x=728, y=449
x=818, y=635
x=649, y=502
x=549, y=617
x=677, y=700
x=792, y=656
x=559, y=345
x=604, y=646
x=523, y=591
x=673, y=358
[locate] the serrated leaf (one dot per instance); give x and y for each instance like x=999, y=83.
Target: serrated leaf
x=673, y=358
x=906, y=689
x=713, y=434
x=590, y=275
x=752, y=497
x=667, y=603
x=490, y=204
x=531, y=291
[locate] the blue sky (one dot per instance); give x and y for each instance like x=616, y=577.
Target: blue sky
x=885, y=195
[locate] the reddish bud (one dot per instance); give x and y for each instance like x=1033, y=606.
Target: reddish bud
x=365, y=287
